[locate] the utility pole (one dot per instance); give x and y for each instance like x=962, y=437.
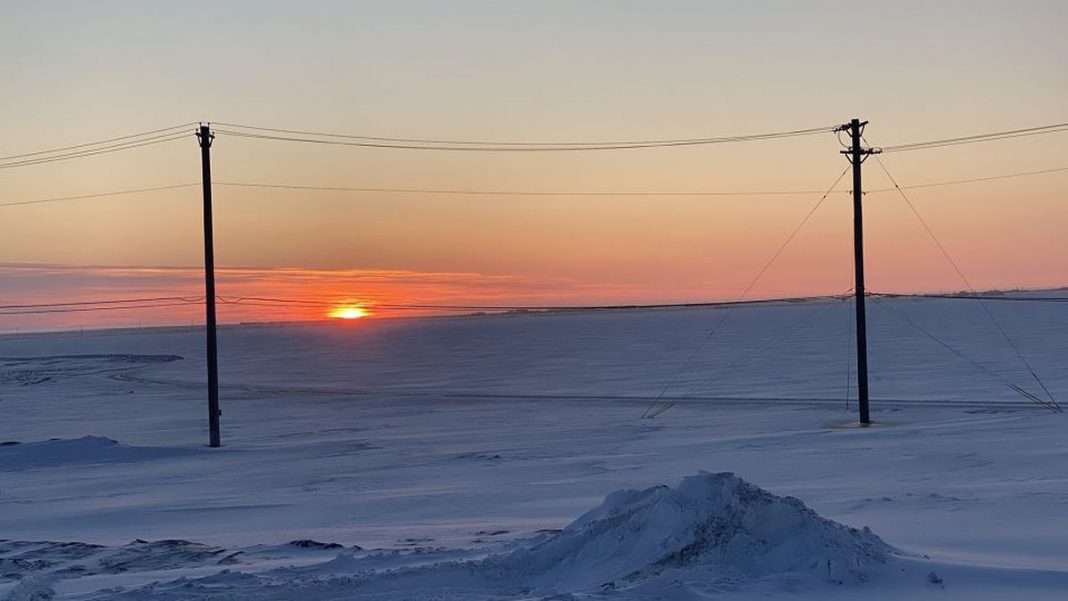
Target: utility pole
x=857, y=155
x=205, y=138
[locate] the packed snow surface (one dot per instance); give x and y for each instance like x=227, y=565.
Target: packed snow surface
x=460, y=458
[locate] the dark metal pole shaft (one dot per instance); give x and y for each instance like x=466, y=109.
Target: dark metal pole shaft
x=206, y=138
x=857, y=155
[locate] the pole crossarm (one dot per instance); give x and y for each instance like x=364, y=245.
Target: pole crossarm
x=851, y=152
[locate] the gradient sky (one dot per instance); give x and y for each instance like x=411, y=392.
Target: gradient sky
x=511, y=70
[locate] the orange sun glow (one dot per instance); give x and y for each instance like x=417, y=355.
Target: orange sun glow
x=349, y=312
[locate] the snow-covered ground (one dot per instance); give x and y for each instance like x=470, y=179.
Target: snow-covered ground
x=452, y=458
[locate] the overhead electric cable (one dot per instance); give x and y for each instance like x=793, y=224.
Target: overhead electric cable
x=338, y=140
x=96, y=151
x=971, y=180
x=999, y=135
x=598, y=143
x=119, y=301
x=98, y=143
x=307, y=136
x=97, y=195
x=977, y=297
x=461, y=192
x=94, y=309
x=531, y=193
x=622, y=193
x=478, y=307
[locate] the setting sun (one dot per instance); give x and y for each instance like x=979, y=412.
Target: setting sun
x=349, y=312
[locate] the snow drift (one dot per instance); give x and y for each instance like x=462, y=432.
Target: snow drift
x=715, y=522
x=15, y=456
x=712, y=529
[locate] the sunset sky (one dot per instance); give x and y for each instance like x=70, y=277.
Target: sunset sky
x=518, y=70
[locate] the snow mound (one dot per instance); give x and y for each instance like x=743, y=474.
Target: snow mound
x=713, y=532
x=74, y=451
x=715, y=522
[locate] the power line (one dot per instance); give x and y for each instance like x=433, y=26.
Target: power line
x=333, y=138
x=96, y=309
x=564, y=193
x=97, y=195
x=520, y=193
x=530, y=193
x=233, y=300
x=264, y=301
x=461, y=192
x=119, y=301
x=97, y=143
x=923, y=222
x=977, y=297
x=599, y=144
x=150, y=141
x=294, y=135
x=972, y=180
x=518, y=147
x=297, y=302
x=987, y=137
x=95, y=151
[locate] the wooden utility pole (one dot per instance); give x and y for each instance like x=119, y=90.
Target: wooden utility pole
x=857, y=155
x=205, y=137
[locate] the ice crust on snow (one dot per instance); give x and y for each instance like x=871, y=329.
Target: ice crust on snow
x=714, y=521
x=31, y=371
x=22, y=559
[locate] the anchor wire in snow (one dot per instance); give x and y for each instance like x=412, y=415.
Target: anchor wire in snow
x=654, y=409
x=982, y=304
